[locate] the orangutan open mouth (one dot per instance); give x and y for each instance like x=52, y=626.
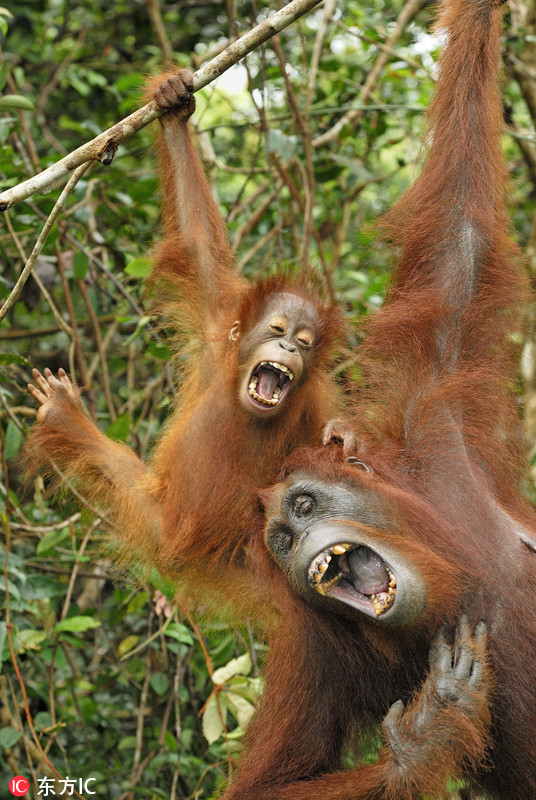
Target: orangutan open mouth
x=356, y=575
x=269, y=383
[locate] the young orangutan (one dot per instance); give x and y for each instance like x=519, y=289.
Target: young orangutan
x=257, y=387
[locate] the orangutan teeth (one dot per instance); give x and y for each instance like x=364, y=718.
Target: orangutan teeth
x=383, y=603
x=264, y=400
x=323, y=588
x=339, y=549
x=280, y=367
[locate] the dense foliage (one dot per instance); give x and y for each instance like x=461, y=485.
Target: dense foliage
x=98, y=679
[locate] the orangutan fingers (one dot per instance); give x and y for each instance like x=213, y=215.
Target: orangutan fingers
x=463, y=650
x=392, y=726
x=42, y=383
x=480, y=644
x=37, y=394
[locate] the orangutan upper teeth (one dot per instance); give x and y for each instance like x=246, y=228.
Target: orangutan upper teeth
x=280, y=367
x=339, y=549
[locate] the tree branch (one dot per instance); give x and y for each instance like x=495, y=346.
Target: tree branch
x=104, y=146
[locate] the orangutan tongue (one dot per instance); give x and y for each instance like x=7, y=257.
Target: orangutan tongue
x=267, y=382
x=367, y=571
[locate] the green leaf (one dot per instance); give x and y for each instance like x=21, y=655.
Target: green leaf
x=9, y=737
x=159, y=682
x=163, y=584
x=137, y=603
x=236, y=666
x=80, y=265
x=76, y=624
x=139, y=268
x=43, y=719
x=13, y=440
x=170, y=741
x=119, y=428
x=129, y=81
x=242, y=708
x=29, y=639
x=212, y=723
x=126, y=645
x=16, y=101
x=178, y=631
x=127, y=743
x=51, y=539
x=5, y=66
x=160, y=351
x=3, y=636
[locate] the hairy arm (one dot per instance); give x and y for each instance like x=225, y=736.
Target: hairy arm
x=195, y=248
x=108, y=473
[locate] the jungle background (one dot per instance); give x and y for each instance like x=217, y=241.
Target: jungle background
x=305, y=143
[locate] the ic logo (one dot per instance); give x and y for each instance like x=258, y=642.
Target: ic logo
x=18, y=786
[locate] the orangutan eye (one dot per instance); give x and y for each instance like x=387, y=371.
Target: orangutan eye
x=303, y=505
x=280, y=539
x=305, y=338
x=278, y=325
x=356, y=462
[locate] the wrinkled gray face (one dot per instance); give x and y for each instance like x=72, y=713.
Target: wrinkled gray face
x=331, y=541
x=277, y=353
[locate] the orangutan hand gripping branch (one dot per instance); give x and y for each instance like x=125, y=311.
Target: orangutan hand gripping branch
x=257, y=388
x=425, y=524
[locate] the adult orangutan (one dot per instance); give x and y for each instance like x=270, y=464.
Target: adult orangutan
x=257, y=387
x=426, y=522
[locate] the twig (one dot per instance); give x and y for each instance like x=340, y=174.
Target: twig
x=329, y=10
x=100, y=350
x=308, y=176
x=157, y=23
x=259, y=244
x=60, y=202
x=104, y=146
x=37, y=333
x=75, y=337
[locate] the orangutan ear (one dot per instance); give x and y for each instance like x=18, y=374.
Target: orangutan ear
x=234, y=333
x=264, y=497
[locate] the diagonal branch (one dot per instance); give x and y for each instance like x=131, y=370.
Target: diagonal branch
x=104, y=146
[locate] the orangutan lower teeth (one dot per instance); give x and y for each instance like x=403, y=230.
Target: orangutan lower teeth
x=383, y=604
x=324, y=587
x=264, y=400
